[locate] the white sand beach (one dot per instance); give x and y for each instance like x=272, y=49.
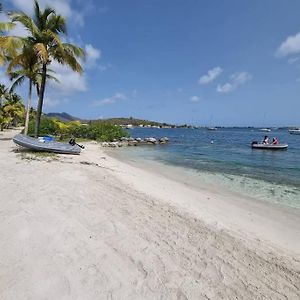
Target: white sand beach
x=94, y=227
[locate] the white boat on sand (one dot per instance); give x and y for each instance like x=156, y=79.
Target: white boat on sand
x=51, y=146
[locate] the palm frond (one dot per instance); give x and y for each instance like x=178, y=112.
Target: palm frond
x=16, y=83
x=57, y=24
x=6, y=26
x=55, y=39
x=41, y=52
x=26, y=21
x=15, y=62
x=52, y=78
x=78, y=52
x=70, y=60
x=17, y=73
x=9, y=46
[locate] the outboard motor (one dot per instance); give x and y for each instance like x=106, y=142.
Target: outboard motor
x=254, y=143
x=73, y=143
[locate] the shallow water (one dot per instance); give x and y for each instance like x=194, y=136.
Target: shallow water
x=224, y=157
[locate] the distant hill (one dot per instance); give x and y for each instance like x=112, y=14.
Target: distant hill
x=130, y=121
x=65, y=117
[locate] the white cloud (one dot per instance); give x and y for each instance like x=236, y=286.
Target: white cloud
x=236, y=80
x=18, y=30
x=54, y=101
x=62, y=7
x=290, y=46
x=292, y=60
x=103, y=67
x=211, y=75
x=69, y=81
x=195, y=99
x=92, y=55
x=111, y=100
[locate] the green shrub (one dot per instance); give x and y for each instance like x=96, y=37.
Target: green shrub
x=95, y=131
x=47, y=127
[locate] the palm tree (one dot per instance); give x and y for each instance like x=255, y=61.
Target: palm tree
x=8, y=44
x=3, y=93
x=12, y=110
x=26, y=65
x=45, y=29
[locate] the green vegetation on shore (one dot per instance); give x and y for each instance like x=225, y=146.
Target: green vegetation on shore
x=99, y=131
x=12, y=110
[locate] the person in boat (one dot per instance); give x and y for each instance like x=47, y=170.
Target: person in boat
x=275, y=141
x=266, y=140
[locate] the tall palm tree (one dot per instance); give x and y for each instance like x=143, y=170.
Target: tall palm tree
x=26, y=65
x=45, y=29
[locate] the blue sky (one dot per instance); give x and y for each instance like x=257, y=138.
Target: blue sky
x=214, y=62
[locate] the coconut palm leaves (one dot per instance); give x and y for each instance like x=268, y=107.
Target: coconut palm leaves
x=45, y=28
x=8, y=44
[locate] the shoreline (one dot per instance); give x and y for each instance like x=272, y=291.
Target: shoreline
x=92, y=226
x=227, y=209
x=240, y=185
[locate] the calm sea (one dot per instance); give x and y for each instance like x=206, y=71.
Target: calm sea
x=225, y=157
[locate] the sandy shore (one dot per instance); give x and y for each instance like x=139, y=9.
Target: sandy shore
x=94, y=227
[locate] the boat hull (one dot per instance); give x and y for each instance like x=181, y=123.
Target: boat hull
x=51, y=146
x=265, y=129
x=294, y=131
x=269, y=146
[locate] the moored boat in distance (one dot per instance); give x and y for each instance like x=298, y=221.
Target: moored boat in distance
x=212, y=128
x=46, y=146
x=265, y=129
x=256, y=145
x=294, y=131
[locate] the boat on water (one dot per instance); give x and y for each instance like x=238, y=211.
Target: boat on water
x=212, y=128
x=265, y=129
x=256, y=145
x=294, y=131
x=46, y=146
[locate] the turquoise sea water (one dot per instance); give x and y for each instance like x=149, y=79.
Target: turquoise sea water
x=224, y=157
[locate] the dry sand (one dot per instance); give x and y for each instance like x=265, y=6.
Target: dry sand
x=93, y=227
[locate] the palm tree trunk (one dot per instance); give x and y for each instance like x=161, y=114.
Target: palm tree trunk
x=40, y=103
x=28, y=107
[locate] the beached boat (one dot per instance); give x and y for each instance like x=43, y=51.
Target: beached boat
x=256, y=145
x=46, y=146
x=294, y=131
